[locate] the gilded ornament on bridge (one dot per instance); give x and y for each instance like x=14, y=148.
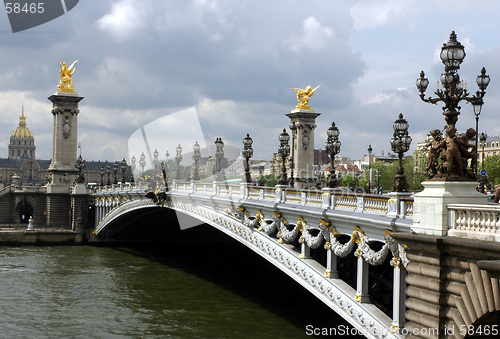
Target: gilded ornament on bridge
x=66, y=78
x=303, y=96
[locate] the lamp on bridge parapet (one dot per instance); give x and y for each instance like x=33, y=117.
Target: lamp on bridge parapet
x=196, y=158
x=378, y=175
x=178, y=159
x=370, y=150
x=166, y=166
x=219, y=154
x=115, y=170
x=132, y=167
x=247, y=153
x=453, y=90
x=293, y=128
x=124, y=169
x=332, y=147
x=102, y=175
x=156, y=162
x=400, y=143
x=108, y=172
x=484, y=178
x=142, y=163
x=283, y=151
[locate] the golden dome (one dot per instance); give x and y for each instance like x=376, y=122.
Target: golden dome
x=22, y=131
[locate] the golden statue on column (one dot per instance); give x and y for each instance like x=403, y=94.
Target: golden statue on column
x=303, y=96
x=66, y=80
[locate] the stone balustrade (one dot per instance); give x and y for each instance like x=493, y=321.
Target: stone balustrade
x=480, y=222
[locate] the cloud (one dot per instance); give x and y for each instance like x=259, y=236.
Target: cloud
x=371, y=14
x=314, y=37
x=126, y=19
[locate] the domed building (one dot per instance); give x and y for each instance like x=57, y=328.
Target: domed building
x=22, y=141
x=22, y=158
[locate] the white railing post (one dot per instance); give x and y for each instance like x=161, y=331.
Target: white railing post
x=327, y=198
x=244, y=189
x=362, y=281
x=331, y=264
x=359, y=206
x=398, y=297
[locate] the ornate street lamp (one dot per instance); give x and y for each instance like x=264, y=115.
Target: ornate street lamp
x=370, y=150
x=196, y=158
x=247, y=153
x=108, y=172
x=484, y=179
x=115, y=170
x=400, y=144
x=332, y=147
x=293, y=128
x=378, y=175
x=178, y=159
x=283, y=151
x=166, y=166
x=142, y=163
x=453, y=91
x=156, y=162
x=124, y=169
x=219, y=154
x=102, y=175
x=132, y=167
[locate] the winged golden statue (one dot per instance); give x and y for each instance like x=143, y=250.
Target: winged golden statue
x=66, y=80
x=303, y=96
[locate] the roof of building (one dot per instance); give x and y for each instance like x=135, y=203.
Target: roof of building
x=22, y=131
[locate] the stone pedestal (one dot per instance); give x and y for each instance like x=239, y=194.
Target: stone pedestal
x=62, y=169
x=303, y=145
x=79, y=207
x=430, y=211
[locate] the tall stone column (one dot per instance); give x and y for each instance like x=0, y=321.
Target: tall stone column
x=62, y=170
x=303, y=145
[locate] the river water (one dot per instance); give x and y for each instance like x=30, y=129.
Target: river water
x=172, y=290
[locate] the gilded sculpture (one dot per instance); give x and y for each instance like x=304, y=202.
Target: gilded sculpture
x=303, y=96
x=66, y=78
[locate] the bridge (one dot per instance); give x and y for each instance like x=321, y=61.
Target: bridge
x=356, y=253
x=306, y=234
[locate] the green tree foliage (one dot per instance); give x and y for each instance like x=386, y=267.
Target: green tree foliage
x=269, y=180
x=492, y=167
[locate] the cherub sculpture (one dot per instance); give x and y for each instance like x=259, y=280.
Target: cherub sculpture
x=65, y=80
x=435, y=149
x=303, y=96
x=453, y=144
x=464, y=150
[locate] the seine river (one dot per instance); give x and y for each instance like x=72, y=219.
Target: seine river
x=172, y=290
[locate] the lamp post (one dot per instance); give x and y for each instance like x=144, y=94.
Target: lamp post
x=178, y=159
x=483, y=145
x=370, y=150
x=166, y=166
x=293, y=128
x=132, y=167
x=124, y=168
x=156, y=162
x=377, y=175
x=115, y=170
x=102, y=175
x=453, y=90
x=332, y=147
x=142, y=163
x=219, y=154
x=247, y=153
x=400, y=144
x=108, y=172
x=196, y=158
x=283, y=151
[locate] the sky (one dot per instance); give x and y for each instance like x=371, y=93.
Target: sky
x=233, y=64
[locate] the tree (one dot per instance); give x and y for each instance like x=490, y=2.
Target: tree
x=492, y=167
